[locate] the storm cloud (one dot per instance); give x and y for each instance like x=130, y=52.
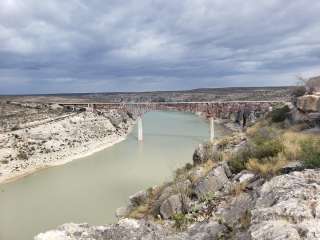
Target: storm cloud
x=138, y=45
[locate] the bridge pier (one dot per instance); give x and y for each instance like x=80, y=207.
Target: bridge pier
x=140, y=130
x=211, y=129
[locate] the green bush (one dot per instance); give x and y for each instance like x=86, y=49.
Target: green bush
x=269, y=148
x=310, y=153
x=280, y=114
x=265, y=143
x=238, y=160
x=180, y=221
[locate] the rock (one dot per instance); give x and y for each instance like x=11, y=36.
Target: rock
x=274, y=230
x=178, y=187
x=198, y=155
x=138, y=198
x=203, y=153
x=292, y=166
x=297, y=116
x=171, y=206
x=237, y=209
x=206, y=230
x=244, y=176
x=309, y=103
x=214, y=181
x=122, y=212
x=288, y=207
x=125, y=229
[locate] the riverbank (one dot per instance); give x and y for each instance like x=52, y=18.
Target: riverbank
x=57, y=142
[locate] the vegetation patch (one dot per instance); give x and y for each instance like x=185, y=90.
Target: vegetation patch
x=310, y=152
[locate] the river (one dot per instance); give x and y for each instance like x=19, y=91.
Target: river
x=91, y=188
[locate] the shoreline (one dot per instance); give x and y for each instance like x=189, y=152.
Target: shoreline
x=87, y=151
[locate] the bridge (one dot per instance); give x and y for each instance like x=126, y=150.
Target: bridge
x=242, y=111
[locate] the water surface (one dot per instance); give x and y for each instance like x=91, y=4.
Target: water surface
x=90, y=189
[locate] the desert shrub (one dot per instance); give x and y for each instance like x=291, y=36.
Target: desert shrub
x=180, y=221
x=139, y=212
x=266, y=166
x=280, y=114
x=292, y=144
x=237, y=161
x=266, y=143
x=310, y=152
x=208, y=197
x=298, y=91
x=269, y=148
x=263, y=143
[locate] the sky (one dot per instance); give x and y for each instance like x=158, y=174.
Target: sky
x=60, y=46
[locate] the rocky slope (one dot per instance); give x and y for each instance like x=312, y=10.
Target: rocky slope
x=285, y=207
x=57, y=139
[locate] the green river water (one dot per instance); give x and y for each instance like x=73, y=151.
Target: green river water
x=90, y=189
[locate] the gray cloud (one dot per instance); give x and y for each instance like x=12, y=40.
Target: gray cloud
x=117, y=45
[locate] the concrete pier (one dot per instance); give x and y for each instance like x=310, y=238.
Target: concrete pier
x=140, y=130
x=211, y=129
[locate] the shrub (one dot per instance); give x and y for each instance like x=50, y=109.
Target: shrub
x=139, y=212
x=298, y=91
x=180, y=221
x=267, y=166
x=280, y=114
x=269, y=148
x=208, y=197
x=238, y=160
x=310, y=152
x=265, y=143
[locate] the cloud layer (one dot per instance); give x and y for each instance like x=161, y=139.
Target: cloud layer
x=136, y=45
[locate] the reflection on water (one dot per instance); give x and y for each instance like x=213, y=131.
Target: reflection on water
x=90, y=189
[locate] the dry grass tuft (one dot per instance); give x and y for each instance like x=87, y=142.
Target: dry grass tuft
x=267, y=167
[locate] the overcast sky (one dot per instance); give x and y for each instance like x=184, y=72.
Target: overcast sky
x=49, y=46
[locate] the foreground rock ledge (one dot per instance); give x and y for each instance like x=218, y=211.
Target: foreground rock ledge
x=288, y=207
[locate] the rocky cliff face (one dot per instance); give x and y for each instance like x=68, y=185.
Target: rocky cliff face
x=285, y=207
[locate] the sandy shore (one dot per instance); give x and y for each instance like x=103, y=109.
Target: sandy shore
x=55, y=143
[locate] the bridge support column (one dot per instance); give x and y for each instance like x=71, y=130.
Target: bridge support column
x=140, y=131
x=211, y=129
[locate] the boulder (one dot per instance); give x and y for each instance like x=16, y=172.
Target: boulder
x=244, y=176
x=123, y=230
x=297, y=116
x=203, y=153
x=178, y=187
x=171, y=206
x=309, y=103
x=138, y=198
x=214, y=181
x=206, y=230
x=198, y=155
x=238, y=208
